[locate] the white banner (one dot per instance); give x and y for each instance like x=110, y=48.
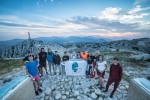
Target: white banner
x=75, y=67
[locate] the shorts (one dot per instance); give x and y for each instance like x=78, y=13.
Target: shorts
x=101, y=74
x=42, y=64
x=35, y=78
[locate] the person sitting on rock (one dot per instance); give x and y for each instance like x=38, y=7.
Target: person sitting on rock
x=57, y=63
x=32, y=71
x=25, y=59
x=101, y=66
x=115, y=75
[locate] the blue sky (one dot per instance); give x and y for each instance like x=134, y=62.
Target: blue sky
x=114, y=19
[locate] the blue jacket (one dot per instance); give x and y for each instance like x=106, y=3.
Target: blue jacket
x=50, y=56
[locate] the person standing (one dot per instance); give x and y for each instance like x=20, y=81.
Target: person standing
x=97, y=54
x=42, y=57
x=84, y=55
x=50, y=57
x=101, y=66
x=57, y=63
x=90, y=60
x=26, y=58
x=64, y=58
x=115, y=75
x=32, y=71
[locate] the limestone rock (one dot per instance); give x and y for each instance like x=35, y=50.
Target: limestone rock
x=93, y=95
x=48, y=91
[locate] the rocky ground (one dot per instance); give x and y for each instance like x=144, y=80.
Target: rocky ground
x=61, y=87
x=78, y=88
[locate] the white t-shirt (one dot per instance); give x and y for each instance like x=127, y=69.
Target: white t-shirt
x=101, y=65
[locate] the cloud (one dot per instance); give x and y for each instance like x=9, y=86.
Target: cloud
x=116, y=14
x=110, y=13
x=52, y=0
x=137, y=2
x=137, y=9
x=37, y=3
x=44, y=0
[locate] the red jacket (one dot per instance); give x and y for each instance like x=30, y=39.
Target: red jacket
x=115, y=72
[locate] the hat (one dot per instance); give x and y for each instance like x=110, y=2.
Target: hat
x=115, y=59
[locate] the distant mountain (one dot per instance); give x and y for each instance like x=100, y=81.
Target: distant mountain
x=72, y=39
x=7, y=43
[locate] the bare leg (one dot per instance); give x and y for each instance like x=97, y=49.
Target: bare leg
x=38, y=83
x=34, y=86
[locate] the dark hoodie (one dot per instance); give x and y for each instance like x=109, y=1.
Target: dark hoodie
x=115, y=72
x=42, y=56
x=57, y=59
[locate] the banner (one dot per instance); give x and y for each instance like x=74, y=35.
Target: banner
x=75, y=67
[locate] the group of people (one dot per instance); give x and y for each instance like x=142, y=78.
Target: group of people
x=95, y=66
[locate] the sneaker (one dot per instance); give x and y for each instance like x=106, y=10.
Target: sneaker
x=100, y=87
x=36, y=92
x=40, y=90
x=104, y=91
x=111, y=96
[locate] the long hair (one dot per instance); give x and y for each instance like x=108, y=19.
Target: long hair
x=101, y=56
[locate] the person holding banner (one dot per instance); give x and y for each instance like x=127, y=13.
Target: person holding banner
x=90, y=60
x=84, y=55
x=64, y=58
x=101, y=66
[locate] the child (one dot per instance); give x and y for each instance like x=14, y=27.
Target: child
x=32, y=71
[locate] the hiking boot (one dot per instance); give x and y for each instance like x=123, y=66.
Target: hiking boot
x=40, y=90
x=111, y=96
x=104, y=91
x=100, y=87
x=36, y=92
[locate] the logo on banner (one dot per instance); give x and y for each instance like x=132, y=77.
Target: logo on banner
x=75, y=67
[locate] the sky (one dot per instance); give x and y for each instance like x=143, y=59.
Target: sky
x=113, y=19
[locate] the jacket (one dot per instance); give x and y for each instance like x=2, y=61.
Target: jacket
x=57, y=59
x=50, y=56
x=115, y=72
x=42, y=56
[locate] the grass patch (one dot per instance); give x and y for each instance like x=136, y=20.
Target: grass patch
x=7, y=65
x=126, y=78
